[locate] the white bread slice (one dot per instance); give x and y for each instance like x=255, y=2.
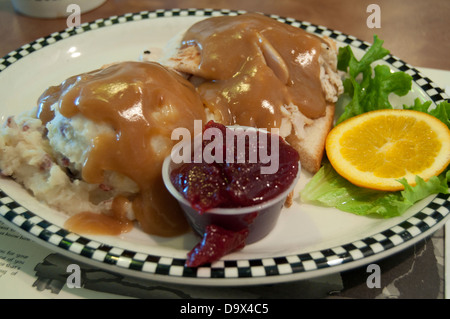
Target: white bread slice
x=311, y=147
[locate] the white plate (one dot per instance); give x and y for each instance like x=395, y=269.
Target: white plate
x=308, y=241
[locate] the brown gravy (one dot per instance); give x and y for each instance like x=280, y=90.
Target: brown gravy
x=141, y=101
x=254, y=64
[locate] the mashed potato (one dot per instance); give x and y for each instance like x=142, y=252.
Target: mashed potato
x=71, y=139
x=96, y=142
x=27, y=156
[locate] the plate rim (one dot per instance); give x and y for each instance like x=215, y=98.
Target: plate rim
x=226, y=272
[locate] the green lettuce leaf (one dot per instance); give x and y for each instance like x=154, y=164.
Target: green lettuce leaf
x=369, y=88
x=435, y=185
x=348, y=63
x=441, y=112
x=327, y=188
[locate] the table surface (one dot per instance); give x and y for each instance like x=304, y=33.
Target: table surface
x=413, y=30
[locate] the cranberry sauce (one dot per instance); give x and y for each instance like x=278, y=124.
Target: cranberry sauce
x=216, y=243
x=231, y=180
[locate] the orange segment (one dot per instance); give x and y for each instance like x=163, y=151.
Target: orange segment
x=377, y=148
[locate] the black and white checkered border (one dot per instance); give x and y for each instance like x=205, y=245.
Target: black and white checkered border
x=400, y=234
x=435, y=93
x=423, y=221
x=431, y=89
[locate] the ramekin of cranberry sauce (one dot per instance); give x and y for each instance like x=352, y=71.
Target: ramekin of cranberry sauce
x=232, y=185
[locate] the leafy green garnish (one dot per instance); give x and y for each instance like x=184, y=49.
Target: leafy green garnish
x=370, y=92
x=442, y=110
x=327, y=188
x=348, y=63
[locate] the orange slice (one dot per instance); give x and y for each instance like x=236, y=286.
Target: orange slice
x=377, y=148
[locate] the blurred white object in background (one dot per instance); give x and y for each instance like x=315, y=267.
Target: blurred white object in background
x=53, y=8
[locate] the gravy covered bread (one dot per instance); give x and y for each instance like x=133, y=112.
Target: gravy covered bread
x=253, y=70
